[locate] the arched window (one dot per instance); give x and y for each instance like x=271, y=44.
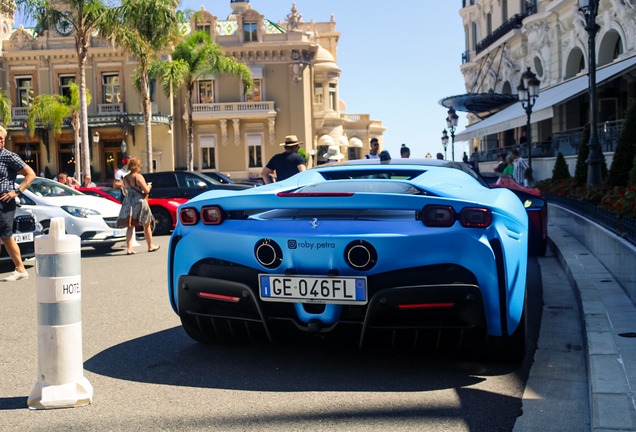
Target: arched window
x=610, y=48
x=507, y=88
x=575, y=63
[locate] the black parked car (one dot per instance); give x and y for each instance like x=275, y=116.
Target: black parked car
x=184, y=184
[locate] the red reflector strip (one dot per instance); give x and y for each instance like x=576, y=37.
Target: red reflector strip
x=425, y=305
x=219, y=297
x=313, y=195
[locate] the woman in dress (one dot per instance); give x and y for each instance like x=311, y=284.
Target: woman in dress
x=134, y=207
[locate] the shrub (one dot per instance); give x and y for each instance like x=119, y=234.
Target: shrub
x=625, y=150
x=580, y=172
x=560, y=171
x=632, y=174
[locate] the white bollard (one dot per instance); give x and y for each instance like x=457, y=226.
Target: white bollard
x=61, y=381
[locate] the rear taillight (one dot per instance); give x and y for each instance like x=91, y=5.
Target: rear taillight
x=313, y=194
x=471, y=217
x=438, y=216
x=189, y=216
x=212, y=215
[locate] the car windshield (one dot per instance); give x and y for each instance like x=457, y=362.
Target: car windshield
x=48, y=188
x=115, y=193
x=386, y=174
x=373, y=186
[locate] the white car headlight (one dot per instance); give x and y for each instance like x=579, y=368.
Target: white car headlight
x=79, y=211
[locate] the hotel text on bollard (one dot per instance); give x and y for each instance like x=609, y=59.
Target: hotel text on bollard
x=61, y=381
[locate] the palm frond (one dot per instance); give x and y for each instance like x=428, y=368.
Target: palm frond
x=50, y=111
x=5, y=107
x=173, y=74
x=74, y=103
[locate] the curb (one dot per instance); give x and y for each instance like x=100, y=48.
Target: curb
x=606, y=312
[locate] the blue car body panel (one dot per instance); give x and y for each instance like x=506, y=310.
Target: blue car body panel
x=400, y=243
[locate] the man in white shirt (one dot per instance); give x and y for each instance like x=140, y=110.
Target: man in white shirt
x=375, y=146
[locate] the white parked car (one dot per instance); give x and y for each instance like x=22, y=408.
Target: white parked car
x=93, y=219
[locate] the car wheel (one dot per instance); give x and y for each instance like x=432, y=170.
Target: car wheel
x=542, y=246
x=106, y=247
x=512, y=348
x=45, y=227
x=163, y=220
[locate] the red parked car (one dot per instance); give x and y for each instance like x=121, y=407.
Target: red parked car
x=536, y=206
x=163, y=210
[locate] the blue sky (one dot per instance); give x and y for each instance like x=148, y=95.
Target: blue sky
x=397, y=59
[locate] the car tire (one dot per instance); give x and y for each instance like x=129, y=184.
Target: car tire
x=104, y=248
x=163, y=220
x=512, y=348
x=542, y=246
x=45, y=226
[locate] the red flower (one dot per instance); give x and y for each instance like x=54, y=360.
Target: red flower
x=631, y=187
x=620, y=205
x=622, y=195
x=631, y=203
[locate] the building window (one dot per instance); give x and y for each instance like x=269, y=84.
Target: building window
x=254, y=149
x=354, y=153
x=206, y=91
x=24, y=91
x=250, y=32
x=489, y=23
x=204, y=28
x=474, y=36
x=255, y=94
x=208, y=159
x=34, y=160
x=111, y=93
x=333, y=102
x=65, y=85
x=504, y=11
x=318, y=93
x=618, y=48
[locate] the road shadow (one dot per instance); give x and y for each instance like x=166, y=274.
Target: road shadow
x=170, y=357
x=13, y=403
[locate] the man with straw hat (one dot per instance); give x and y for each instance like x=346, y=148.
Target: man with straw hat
x=285, y=164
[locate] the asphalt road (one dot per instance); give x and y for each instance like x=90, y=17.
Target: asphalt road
x=148, y=375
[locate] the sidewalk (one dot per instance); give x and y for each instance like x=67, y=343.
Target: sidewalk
x=609, y=320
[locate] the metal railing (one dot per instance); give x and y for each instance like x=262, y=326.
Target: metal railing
x=514, y=22
x=568, y=141
x=622, y=226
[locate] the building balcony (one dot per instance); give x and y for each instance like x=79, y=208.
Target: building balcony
x=355, y=117
x=513, y=23
x=110, y=109
x=19, y=113
x=231, y=110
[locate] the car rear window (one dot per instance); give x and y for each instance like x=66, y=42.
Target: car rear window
x=381, y=187
x=385, y=174
x=161, y=180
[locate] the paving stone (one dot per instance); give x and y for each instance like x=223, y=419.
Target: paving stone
x=613, y=411
x=601, y=343
x=597, y=323
x=593, y=307
x=608, y=374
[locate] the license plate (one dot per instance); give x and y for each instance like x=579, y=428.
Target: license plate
x=120, y=232
x=313, y=289
x=23, y=237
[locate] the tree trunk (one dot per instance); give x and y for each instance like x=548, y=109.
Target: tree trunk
x=76, y=137
x=81, y=46
x=190, y=130
x=147, y=112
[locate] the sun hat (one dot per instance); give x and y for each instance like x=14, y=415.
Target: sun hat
x=333, y=153
x=291, y=140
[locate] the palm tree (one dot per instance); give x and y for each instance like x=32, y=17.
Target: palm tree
x=145, y=28
x=196, y=57
x=86, y=17
x=52, y=110
x=5, y=108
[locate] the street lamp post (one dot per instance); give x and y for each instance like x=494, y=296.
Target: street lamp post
x=451, y=124
x=594, y=174
x=528, y=92
x=445, y=142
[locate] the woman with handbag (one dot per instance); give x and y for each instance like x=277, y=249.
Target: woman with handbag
x=134, y=206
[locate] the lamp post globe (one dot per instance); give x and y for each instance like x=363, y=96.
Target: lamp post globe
x=451, y=123
x=444, y=141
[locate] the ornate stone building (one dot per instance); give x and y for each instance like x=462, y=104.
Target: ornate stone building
x=296, y=91
x=505, y=37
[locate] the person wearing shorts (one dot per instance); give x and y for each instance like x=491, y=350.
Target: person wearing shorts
x=10, y=166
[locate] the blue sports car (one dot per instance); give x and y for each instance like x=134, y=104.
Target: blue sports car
x=402, y=250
